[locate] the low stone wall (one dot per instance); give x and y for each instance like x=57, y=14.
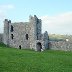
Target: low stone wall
x=61, y=45
x=1, y=38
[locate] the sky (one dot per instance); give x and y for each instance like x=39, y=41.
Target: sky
x=56, y=15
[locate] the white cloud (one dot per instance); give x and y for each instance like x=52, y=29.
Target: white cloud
x=3, y=11
x=4, y=7
x=61, y=24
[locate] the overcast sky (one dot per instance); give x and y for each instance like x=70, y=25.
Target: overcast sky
x=56, y=15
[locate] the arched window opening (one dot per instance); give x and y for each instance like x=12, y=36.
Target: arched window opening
x=26, y=36
x=12, y=28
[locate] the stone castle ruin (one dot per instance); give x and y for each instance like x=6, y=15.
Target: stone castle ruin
x=25, y=35
x=28, y=35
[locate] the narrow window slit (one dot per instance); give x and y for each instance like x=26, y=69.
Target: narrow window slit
x=26, y=36
x=12, y=36
x=12, y=28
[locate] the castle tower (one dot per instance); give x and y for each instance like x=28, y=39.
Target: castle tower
x=35, y=31
x=38, y=28
x=35, y=27
x=6, y=31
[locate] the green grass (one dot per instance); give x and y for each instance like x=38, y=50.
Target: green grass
x=15, y=60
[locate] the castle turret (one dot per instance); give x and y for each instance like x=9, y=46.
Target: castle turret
x=35, y=31
x=46, y=39
x=36, y=27
x=6, y=31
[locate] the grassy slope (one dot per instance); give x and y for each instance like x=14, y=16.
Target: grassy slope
x=15, y=60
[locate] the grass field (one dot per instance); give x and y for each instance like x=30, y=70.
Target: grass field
x=15, y=60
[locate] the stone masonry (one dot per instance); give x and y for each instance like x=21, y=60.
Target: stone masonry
x=61, y=45
x=25, y=35
x=28, y=35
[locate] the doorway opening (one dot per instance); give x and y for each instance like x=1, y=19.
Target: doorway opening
x=39, y=46
x=19, y=46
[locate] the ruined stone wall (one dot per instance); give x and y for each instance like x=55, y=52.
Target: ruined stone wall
x=35, y=30
x=6, y=31
x=25, y=34
x=1, y=38
x=19, y=35
x=61, y=45
x=46, y=39
x=15, y=33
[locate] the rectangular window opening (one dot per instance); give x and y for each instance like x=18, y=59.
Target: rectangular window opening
x=12, y=36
